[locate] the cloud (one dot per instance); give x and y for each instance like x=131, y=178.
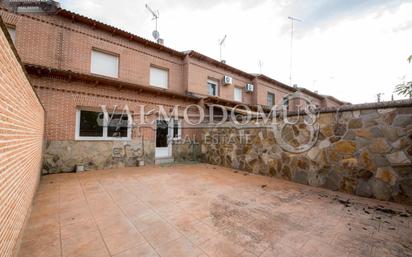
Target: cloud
x=206, y=4
x=407, y=25
x=321, y=14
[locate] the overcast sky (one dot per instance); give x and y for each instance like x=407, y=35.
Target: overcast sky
x=351, y=49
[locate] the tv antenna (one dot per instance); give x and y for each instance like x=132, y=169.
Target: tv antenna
x=221, y=42
x=292, y=20
x=156, y=15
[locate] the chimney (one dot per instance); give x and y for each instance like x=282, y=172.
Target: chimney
x=161, y=41
x=295, y=86
x=223, y=61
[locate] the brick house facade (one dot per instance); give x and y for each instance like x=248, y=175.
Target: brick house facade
x=58, y=51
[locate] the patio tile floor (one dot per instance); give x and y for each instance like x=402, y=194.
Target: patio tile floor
x=206, y=211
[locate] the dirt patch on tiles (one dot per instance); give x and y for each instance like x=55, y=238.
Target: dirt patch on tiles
x=249, y=224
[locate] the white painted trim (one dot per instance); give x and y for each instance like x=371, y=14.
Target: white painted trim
x=169, y=146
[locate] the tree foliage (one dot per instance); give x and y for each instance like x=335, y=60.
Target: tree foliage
x=404, y=89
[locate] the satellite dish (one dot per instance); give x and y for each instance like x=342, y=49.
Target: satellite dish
x=156, y=34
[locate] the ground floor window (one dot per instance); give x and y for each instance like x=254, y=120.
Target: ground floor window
x=89, y=125
x=177, y=130
x=99, y=125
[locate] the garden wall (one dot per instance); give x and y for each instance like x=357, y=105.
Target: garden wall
x=364, y=150
x=21, y=144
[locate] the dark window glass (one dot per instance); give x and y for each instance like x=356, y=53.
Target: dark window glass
x=271, y=99
x=90, y=125
x=118, y=124
x=212, y=88
x=175, y=129
x=286, y=102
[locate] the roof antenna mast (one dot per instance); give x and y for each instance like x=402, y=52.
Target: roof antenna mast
x=156, y=15
x=260, y=66
x=221, y=42
x=293, y=20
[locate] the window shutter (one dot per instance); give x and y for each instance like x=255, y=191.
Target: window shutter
x=159, y=77
x=238, y=94
x=105, y=64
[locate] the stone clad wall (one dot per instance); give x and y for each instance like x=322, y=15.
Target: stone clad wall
x=363, y=152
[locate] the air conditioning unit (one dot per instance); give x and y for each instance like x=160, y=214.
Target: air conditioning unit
x=250, y=88
x=227, y=80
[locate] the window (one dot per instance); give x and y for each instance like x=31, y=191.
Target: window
x=12, y=33
x=89, y=124
x=159, y=77
x=118, y=125
x=94, y=125
x=177, y=130
x=285, y=102
x=271, y=99
x=212, y=87
x=238, y=94
x=105, y=64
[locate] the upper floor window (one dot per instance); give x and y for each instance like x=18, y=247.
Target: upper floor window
x=12, y=33
x=271, y=99
x=238, y=94
x=159, y=77
x=212, y=87
x=285, y=102
x=105, y=64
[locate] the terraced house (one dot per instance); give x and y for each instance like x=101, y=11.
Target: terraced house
x=77, y=64
x=73, y=95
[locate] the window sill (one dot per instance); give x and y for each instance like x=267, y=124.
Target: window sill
x=104, y=76
x=102, y=139
x=159, y=87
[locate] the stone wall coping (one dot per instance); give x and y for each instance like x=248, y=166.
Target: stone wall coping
x=360, y=107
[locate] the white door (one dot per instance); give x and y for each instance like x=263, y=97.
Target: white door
x=163, y=142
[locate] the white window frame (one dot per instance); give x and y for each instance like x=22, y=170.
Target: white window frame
x=241, y=94
x=12, y=32
x=179, y=130
x=93, y=71
x=214, y=82
x=162, y=70
x=105, y=136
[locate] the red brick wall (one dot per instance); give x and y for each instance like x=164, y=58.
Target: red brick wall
x=262, y=90
x=21, y=144
x=57, y=42
x=61, y=98
x=199, y=73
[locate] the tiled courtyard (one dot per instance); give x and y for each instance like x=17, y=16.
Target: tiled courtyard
x=203, y=210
